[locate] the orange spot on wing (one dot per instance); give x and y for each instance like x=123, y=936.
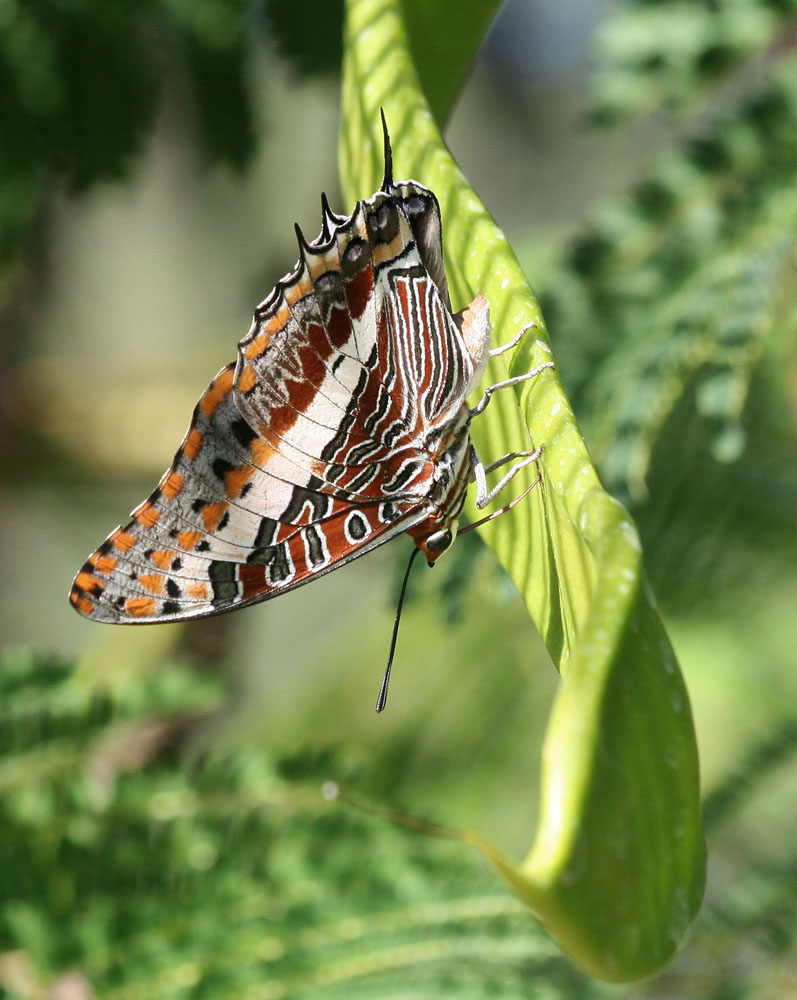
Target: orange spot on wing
x=140, y=607
x=213, y=513
x=279, y=319
x=122, y=540
x=256, y=347
x=85, y=581
x=199, y=590
x=247, y=379
x=297, y=291
x=104, y=564
x=153, y=583
x=162, y=558
x=84, y=604
x=188, y=539
x=236, y=479
x=192, y=444
x=262, y=452
x=171, y=484
x=216, y=392
x=146, y=515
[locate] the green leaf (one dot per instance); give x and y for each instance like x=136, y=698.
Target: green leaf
x=443, y=38
x=616, y=867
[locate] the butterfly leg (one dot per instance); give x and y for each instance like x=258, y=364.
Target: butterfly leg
x=488, y=392
x=496, y=351
x=484, y=495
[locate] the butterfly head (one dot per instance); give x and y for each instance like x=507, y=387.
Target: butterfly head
x=435, y=545
x=434, y=537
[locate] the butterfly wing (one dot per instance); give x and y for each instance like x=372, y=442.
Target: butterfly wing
x=367, y=357
x=309, y=451
x=227, y=525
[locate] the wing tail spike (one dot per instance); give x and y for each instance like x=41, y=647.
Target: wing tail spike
x=387, y=180
x=304, y=246
x=329, y=219
x=325, y=230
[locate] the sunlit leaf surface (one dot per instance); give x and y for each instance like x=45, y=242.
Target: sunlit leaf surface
x=616, y=866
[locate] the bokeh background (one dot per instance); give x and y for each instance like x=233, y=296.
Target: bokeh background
x=640, y=159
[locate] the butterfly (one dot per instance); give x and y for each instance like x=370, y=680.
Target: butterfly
x=342, y=423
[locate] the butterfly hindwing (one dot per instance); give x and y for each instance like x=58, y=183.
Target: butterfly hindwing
x=318, y=444
x=232, y=521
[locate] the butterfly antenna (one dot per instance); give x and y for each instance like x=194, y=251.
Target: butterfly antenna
x=381, y=701
x=387, y=182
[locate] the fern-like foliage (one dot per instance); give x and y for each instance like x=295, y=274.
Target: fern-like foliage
x=684, y=277
x=137, y=865
x=156, y=878
x=668, y=305
x=672, y=53
x=82, y=83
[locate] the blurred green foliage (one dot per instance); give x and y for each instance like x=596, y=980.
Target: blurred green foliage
x=136, y=855
x=228, y=878
x=153, y=866
x=674, y=309
x=82, y=83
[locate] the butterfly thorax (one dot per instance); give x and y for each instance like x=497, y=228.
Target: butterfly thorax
x=446, y=498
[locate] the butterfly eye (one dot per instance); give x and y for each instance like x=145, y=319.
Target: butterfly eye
x=439, y=541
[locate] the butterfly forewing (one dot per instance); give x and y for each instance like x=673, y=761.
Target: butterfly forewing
x=318, y=444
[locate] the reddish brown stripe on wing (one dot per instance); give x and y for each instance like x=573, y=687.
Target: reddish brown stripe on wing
x=300, y=394
x=253, y=580
x=282, y=419
x=339, y=326
x=318, y=340
x=359, y=290
x=312, y=364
